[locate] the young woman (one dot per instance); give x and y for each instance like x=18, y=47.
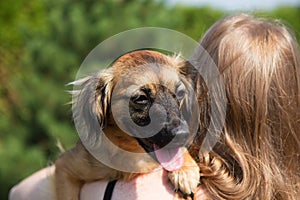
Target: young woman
x=257, y=154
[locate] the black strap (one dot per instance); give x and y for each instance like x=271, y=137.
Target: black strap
x=109, y=190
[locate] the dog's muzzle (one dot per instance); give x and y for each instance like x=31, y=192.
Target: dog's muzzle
x=173, y=134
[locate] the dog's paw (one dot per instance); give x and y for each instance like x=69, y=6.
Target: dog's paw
x=186, y=179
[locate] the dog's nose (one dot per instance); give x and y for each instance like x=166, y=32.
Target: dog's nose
x=181, y=136
x=174, y=123
x=179, y=131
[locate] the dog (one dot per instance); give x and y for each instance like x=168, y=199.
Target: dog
x=137, y=106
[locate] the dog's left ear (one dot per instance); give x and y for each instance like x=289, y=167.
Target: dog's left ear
x=91, y=101
x=196, y=106
x=189, y=104
x=103, y=92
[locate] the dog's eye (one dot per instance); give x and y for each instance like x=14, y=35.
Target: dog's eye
x=180, y=92
x=140, y=99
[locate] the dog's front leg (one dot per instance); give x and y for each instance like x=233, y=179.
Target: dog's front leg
x=67, y=187
x=187, y=178
x=69, y=174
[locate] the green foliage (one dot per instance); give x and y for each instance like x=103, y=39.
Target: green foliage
x=17, y=161
x=194, y=21
x=42, y=44
x=290, y=16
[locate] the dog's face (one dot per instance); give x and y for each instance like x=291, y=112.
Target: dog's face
x=142, y=97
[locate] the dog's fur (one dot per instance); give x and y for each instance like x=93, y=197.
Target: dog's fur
x=94, y=97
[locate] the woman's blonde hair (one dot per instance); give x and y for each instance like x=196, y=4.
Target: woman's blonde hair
x=257, y=156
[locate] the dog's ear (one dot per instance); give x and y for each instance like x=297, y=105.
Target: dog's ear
x=103, y=92
x=196, y=103
x=189, y=104
x=91, y=102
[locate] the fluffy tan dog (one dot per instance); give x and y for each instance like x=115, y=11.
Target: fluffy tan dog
x=139, y=89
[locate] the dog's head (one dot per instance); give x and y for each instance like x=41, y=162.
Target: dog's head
x=142, y=97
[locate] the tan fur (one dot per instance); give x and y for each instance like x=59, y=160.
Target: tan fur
x=77, y=166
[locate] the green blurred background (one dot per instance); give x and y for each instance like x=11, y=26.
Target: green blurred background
x=42, y=44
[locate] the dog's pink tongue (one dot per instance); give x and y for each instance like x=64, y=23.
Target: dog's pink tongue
x=170, y=159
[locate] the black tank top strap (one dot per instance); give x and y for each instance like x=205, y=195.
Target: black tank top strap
x=109, y=190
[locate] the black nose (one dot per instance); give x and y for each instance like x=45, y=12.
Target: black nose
x=179, y=131
x=174, y=134
x=180, y=134
x=175, y=125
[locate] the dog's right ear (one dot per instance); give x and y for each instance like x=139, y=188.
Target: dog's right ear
x=198, y=86
x=91, y=101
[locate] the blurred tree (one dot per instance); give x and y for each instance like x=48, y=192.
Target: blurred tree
x=290, y=16
x=194, y=21
x=17, y=156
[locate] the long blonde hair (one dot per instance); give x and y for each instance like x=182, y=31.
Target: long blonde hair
x=257, y=156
